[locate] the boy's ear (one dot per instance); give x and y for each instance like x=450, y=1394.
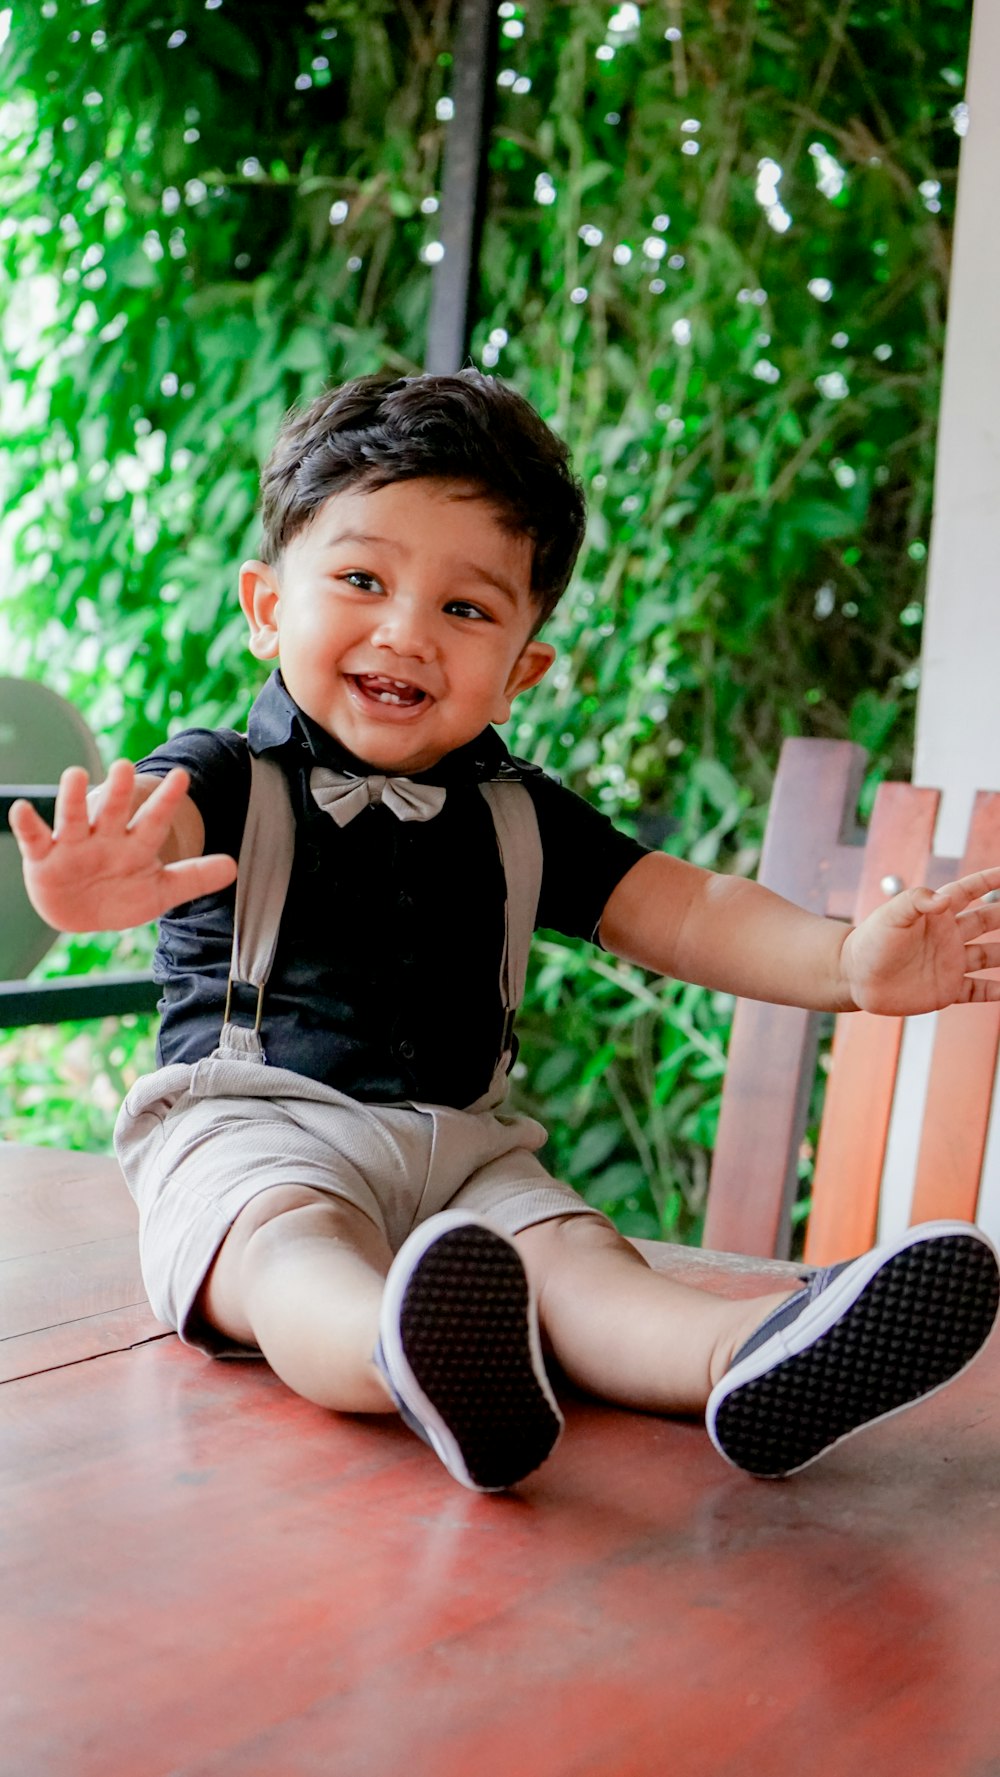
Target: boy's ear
x=259, y=595
x=532, y=664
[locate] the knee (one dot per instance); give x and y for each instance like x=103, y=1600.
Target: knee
x=310, y=1218
x=562, y=1250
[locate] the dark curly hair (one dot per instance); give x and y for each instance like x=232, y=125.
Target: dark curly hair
x=467, y=427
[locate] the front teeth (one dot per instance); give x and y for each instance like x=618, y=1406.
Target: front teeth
x=381, y=689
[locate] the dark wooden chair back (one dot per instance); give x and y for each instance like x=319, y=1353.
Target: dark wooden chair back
x=815, y=855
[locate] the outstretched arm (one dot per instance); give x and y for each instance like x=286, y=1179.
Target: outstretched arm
x=121, y=858
x=919, y=952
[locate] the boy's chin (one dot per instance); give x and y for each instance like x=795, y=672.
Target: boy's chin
x=390, y=754
x=392, y=746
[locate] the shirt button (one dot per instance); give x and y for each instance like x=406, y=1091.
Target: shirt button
x=406, y=1049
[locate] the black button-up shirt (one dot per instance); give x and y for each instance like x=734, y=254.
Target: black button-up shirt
x=386, y=981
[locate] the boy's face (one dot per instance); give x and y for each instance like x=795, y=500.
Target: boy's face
x=401, y=618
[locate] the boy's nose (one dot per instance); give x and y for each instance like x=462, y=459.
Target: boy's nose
x=406, y=631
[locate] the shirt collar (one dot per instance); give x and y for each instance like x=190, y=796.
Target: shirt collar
x=276, y=722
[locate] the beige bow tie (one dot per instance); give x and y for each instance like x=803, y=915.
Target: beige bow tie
x=343, y=797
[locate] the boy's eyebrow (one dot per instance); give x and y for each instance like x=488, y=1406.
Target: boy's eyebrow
x=464, y=567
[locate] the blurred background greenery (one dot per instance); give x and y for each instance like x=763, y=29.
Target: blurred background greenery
x=716, y=258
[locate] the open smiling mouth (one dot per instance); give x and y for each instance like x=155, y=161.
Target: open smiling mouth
x=378, y=689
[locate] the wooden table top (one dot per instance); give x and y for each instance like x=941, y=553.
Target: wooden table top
x=204, y=1576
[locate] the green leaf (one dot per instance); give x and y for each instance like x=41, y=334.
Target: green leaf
x=305, y=351
x=593, y=1148
x=220, y=40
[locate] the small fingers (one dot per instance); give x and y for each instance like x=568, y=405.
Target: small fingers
x=111, y=804
x=966, y=889
x=192, y=877
x=154, y=817
x=33, y=835
x=977, y=920
x=978, y=991
x=982, y=956
x=72, y=819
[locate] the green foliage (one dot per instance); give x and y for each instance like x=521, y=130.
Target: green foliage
x=720, y=260
x=175, y=282
x=62, y=1085
x=207, y=213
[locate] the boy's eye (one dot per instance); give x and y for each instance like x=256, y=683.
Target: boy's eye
x=462, y=608
x=364, y=582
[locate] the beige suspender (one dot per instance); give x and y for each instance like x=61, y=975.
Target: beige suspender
x=520, y=849
x=265, y=866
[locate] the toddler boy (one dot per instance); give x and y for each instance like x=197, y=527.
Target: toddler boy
x=324, y=1165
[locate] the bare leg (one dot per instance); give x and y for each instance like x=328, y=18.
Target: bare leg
x=623, y=1331
x=301, y=1275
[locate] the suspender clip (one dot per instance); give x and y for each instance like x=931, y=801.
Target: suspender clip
x=260, y=1002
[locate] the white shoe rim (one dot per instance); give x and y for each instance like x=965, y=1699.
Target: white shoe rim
x=820, y=1315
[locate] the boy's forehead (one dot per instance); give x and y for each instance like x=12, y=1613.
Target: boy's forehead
x=425, y=512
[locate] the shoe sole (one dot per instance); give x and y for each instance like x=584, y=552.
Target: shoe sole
x=892, y=1329
x=460, y=1340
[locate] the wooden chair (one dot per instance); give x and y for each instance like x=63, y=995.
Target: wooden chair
x=815, y=855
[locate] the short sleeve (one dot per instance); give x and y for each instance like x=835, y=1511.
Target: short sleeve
x=218, y=763
x=584, y=857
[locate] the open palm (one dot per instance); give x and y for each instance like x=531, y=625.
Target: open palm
x=923, y=949
x=101, y=870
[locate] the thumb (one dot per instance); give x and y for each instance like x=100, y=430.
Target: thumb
x=925, y=900
x=911, y=905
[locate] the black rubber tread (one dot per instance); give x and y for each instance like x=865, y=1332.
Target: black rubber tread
x=464, y=1324
x=917, y=1323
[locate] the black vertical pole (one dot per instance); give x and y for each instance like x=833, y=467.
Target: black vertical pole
x=463, y=189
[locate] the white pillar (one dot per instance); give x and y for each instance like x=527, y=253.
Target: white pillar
x=958, y=733
x=958, y=711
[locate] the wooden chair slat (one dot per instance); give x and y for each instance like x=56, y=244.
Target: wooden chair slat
x=816, y=856
x=772, y=1051
x=956, y=1114
x=855, y=1128
x=772, y=1056
x=963, y=1072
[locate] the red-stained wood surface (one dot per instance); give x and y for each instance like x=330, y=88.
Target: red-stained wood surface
x=70, y=1285
x=203, y=1576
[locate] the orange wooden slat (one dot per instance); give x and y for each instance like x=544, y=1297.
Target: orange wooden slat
x=772, y=1049
x=858, y=1100
x=963, y=1071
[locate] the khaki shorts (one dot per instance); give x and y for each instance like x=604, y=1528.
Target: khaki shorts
x=197, y=1144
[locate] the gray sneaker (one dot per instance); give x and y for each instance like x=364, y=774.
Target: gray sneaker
x=863, y=1340
x=460, y=1350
